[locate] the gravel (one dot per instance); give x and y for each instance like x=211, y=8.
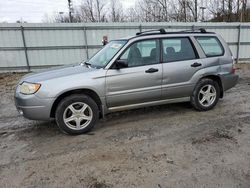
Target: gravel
x=162, y=146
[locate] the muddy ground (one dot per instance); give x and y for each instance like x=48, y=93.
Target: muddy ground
x=163, y=146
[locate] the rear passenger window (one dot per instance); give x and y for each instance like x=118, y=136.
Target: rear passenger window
x=210, y=45
x=177, y=49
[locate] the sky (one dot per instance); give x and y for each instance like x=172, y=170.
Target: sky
x=35, y=10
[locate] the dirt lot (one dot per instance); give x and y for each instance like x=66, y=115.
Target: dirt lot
x=163, y=146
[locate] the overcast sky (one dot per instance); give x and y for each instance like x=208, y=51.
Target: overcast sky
x=35, y=10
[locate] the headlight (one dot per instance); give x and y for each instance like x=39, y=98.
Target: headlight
x=29, y=88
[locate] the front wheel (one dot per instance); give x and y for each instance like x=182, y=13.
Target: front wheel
x=205, y=95
x=77, y=114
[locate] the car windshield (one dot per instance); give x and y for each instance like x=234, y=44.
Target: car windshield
x=102, y=57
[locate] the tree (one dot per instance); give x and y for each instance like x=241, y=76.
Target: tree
x=132, y=15
x=157, y=11
x=116, y=11
x=230, y=10
x=192, y=6
x=86, y=11
x=153, y=10
x=91, y=11
x=99, y=7
x=244, y=13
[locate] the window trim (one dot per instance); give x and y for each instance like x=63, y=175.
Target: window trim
x=178, y=37
x=216, y=38
x=140, y=40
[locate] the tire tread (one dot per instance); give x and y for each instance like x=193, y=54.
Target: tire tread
x=194, y=97
x=70, y=99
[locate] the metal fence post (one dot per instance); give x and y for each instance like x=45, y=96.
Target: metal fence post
x=140, y=28
x=238, y=44
x=193, y=28
x=25, y=48
x=86, y=43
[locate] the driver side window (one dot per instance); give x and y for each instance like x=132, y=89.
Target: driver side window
x=142, y=53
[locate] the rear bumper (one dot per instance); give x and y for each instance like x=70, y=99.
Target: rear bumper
x=229, y=81
x=33, y=107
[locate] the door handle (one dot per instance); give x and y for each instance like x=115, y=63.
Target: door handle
x=196, y=64
x=151, y=70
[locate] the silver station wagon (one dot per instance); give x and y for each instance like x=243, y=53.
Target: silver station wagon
x=151, y=68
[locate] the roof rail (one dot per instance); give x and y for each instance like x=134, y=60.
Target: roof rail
x=155, y=31
x=162, y=31
x=202, y=30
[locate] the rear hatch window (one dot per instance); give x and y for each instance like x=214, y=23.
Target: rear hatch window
x=210, y=45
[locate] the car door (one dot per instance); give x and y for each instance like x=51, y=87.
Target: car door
x=139, y=82
x=180, y=63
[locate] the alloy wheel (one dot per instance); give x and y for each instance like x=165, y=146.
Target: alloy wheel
x=78, y=115
x=207, y=95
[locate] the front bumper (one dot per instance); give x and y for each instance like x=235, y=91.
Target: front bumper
x=33, y=107
x=229, y=81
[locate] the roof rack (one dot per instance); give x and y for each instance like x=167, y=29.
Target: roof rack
x=162, y=31
x=155, y=31
x=202, y=30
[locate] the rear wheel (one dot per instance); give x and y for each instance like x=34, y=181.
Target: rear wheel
x=77, y=114
x=206, y=95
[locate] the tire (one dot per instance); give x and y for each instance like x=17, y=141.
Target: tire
x=200, y=99
x=76, y=114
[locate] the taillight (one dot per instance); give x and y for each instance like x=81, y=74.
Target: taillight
x=233, y=66
x=233, y=69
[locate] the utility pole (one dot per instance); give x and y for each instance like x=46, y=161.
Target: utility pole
x=202, y=12
x=185, y=10
x=230, y=10
x=202, y=7
x=70, y=10
x=223, y=10
x=238, y=10
x=196, y=11
x=244, y=10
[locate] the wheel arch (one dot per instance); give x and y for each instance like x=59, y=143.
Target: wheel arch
x=92, y=94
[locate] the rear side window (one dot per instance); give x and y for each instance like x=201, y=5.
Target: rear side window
x=177, y=49
x=210, y=45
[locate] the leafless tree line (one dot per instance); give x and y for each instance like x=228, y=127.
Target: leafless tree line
x=230, y=10
x=159, y=11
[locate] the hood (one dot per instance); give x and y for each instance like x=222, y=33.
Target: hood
x=56, y=73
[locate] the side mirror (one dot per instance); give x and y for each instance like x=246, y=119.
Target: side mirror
x=120, y=64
